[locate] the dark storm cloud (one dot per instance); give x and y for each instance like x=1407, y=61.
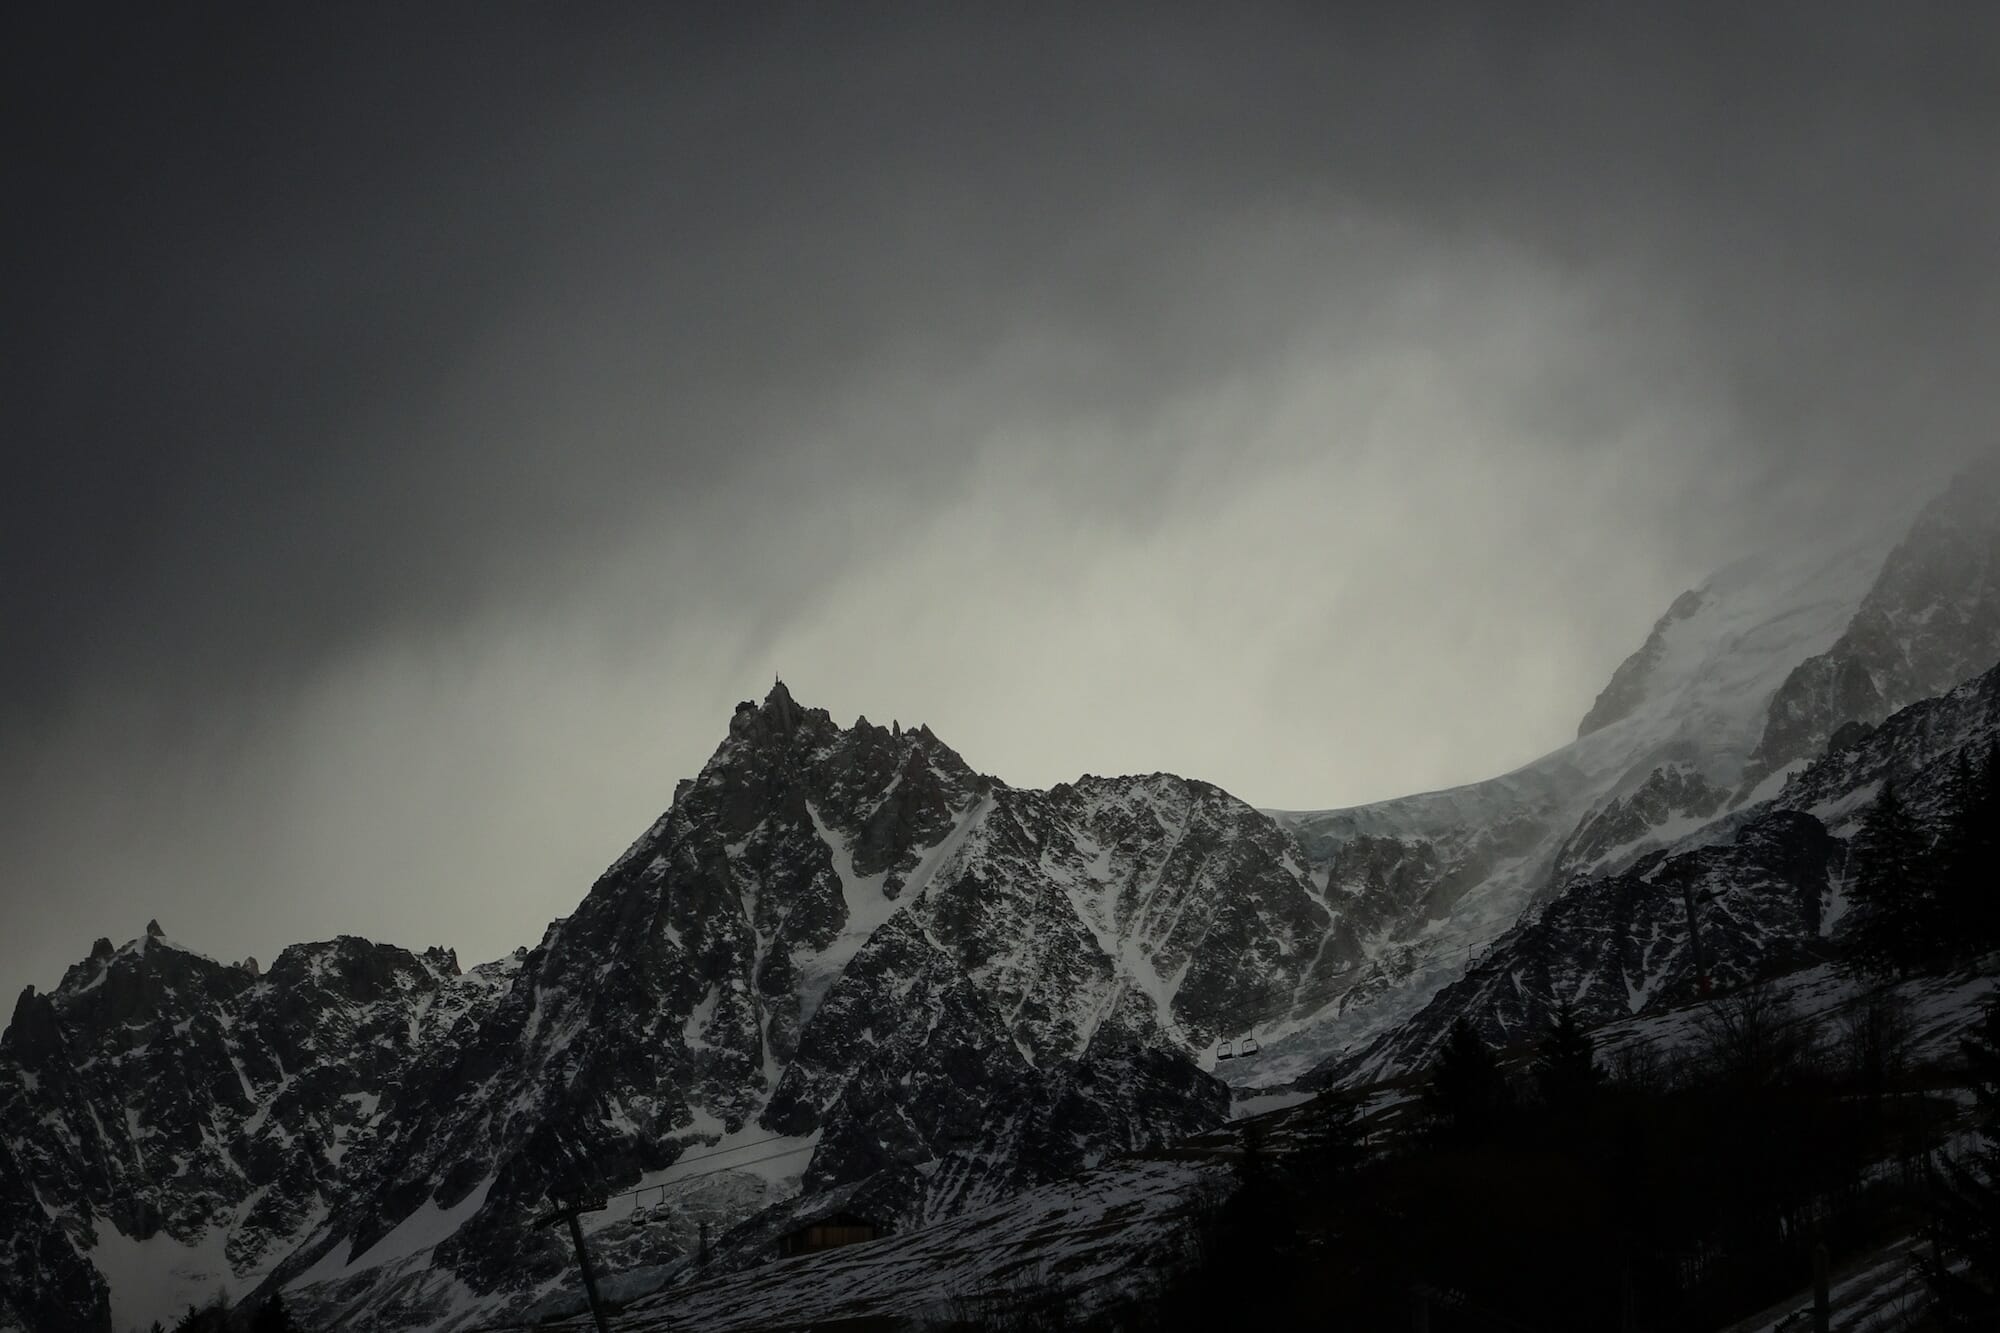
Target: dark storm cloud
x=340, y=332
x=266, y=242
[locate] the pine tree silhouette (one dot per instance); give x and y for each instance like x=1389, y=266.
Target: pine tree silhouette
x=1329, y=1147
x=1891, y=921
x=1969, y=856
x=1965, y=1212
x=1566, y=1072
x=1255, y=1175
x=1468, y=1096
x=272, y=1317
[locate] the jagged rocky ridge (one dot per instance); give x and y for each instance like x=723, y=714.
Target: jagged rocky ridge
x=925, y=982
x=923, y=987
x=844, y=937
x=158, y=1093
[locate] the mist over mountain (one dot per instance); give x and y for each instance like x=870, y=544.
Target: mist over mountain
x=844, y=970
x=954, y=668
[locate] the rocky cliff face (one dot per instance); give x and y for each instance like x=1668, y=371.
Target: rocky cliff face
x=1670, y=798
x=1434, y=880
x=167, y=1111
x=1739, y=898
x=1931, y=620
x=1744, y=679
x=846, y=941
x=1612, y=946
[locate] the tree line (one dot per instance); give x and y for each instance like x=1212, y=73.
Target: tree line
x=1925, y=897
x=219, y=1317
x=1553, y=1189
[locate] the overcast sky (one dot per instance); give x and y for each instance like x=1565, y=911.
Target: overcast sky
x=422, y=426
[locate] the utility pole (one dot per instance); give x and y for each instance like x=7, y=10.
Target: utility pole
x=569, y=1205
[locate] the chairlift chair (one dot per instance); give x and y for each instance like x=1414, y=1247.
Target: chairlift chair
x=1224, y=1051
x=1248, y=1047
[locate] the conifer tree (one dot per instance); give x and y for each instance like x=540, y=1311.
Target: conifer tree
x=1253, y=1166
x=1970, y=858
x=1964, y=1269
x=1329, y=1143
x=1890, y=919
x=1257, y=1216
x=1468, y=1096
x=1566, y=1072
x=272, y=1317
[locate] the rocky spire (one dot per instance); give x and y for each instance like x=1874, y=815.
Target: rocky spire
x=34, y=1037
x=780, y=708
x=777, y=718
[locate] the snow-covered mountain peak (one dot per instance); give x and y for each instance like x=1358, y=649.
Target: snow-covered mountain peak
x=1699, y=687
x=1628, y=686
x=1422, y=884
x=1930, y=620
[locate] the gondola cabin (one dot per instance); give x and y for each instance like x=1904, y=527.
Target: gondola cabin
x=829, y=1233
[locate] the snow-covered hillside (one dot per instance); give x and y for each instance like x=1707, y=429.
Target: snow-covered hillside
x=1702, y=722
x=1729, y=901
x=1423, y=884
